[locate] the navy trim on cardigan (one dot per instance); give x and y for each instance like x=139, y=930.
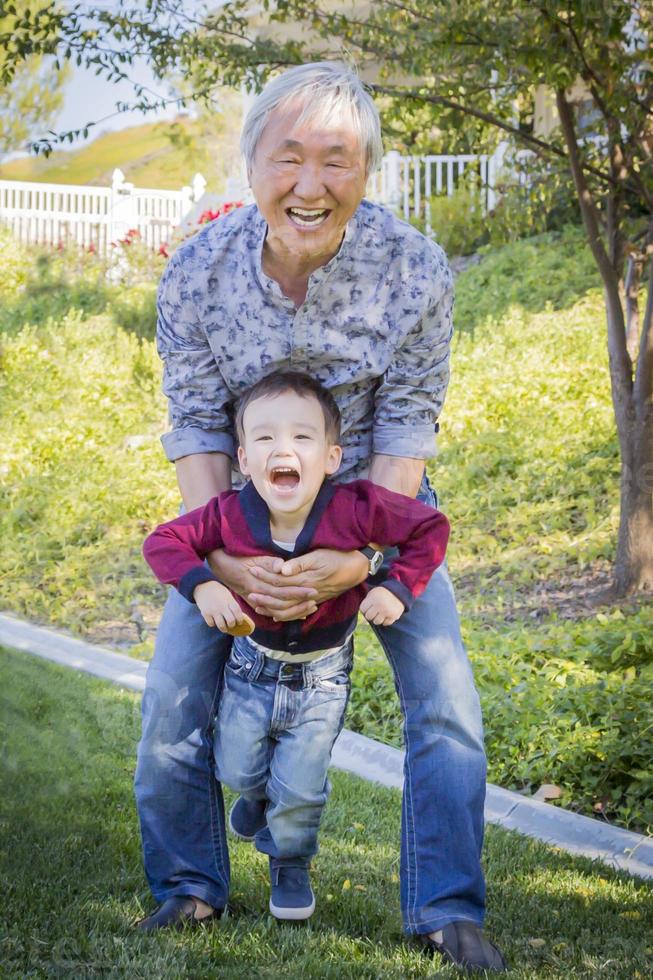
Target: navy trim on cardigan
x=398, y=588
x=257, y=515
x=196, y=576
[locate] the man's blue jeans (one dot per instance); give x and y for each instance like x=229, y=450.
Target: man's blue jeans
x=180, y=802
x=274, y=732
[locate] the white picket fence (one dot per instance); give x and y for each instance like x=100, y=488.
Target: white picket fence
x=407, y=184
x=94, y=217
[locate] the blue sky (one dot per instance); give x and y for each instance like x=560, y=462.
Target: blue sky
x=91, y=98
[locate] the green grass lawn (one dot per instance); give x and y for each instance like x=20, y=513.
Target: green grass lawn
x=72, y=881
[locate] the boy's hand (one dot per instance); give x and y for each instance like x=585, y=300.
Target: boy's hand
x=381, y=607
x=220, y=609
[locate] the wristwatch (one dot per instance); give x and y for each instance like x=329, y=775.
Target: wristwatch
x=374, y=557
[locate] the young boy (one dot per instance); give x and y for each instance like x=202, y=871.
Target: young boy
x=286, y=685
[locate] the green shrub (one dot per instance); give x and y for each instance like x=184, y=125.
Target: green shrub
x=533, y=195
x=15, y=264
x=551, y=714
x=52, y=284
x=42, y=284
x=458, y=223
x=84, y=476
x=554, y=270
x=134, y=309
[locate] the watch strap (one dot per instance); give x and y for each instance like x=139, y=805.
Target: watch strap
x=374, y=557
x=368, y=552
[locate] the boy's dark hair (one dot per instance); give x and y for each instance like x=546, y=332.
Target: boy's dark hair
x=301, y=384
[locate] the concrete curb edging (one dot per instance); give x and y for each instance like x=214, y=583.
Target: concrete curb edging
x=371, y=760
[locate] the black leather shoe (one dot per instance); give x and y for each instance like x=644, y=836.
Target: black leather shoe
x=464, y=944
x=178, y=913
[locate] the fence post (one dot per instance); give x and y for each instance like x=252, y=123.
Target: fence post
x=199, y=186
x=494, y=164
x=394, y=178
x=121, y=206
x=190, y=196
x=186, y=202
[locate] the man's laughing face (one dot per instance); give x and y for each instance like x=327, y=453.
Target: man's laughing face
x=308, y=179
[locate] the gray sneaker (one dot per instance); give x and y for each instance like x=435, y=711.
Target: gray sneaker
x=464, y=944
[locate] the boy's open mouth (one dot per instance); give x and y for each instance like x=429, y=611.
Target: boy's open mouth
x=284, y=477
x=308, y=217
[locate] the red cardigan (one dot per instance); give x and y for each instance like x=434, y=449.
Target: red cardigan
x=344, y=517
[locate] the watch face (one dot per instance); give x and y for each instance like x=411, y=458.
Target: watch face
x=376, y=562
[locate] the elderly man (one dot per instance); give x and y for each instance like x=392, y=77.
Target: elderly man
x=313, y=278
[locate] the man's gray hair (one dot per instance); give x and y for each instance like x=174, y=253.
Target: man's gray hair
x=326, y=90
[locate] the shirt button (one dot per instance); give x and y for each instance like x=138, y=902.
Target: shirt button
x=248, y=666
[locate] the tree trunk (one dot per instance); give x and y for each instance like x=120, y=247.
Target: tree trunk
x=633, y=568
x=631, y=288
x=631, y=398
x=633, y=410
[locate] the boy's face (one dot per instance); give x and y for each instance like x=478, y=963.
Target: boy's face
x=286, y=452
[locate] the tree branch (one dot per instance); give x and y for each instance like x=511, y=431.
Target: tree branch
x=589, y=71
x=475, y=40
x=492, y=121
x=634, y=270
x=644, y=373
x=621, y=364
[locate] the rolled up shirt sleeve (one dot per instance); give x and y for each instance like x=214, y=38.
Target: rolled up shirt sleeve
x=198, y=397
x=410, y=397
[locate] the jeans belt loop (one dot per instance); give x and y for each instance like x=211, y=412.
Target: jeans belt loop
x=257, y=666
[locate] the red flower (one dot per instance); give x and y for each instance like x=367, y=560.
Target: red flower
x=211, y=215
x=207, y=216
x=131, y=236
x=163, y=250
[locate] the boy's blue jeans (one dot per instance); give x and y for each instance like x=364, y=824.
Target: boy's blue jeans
x=274, y=732
x=180, y=803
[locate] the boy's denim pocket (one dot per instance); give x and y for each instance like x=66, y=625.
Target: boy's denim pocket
x=337, y=684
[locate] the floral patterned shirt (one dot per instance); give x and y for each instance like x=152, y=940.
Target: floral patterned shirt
x=375, y=328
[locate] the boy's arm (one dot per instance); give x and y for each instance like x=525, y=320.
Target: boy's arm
x=175, y=551
x=419, y=532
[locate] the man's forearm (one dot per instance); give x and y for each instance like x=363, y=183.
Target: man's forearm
x=202, y=476
x=399, y=473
